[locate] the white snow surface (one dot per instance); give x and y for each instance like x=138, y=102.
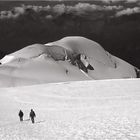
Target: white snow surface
x=7, y=59
x=82, y=110
x=38, y=63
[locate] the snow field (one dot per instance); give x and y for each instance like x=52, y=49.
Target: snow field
x=84, y=110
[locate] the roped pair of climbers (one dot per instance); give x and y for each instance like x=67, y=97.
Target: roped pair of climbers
x=32, y=115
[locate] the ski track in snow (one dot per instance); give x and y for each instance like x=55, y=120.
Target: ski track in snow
x=89, y=110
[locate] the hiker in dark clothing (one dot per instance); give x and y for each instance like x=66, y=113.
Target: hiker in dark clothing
x=32, y=115
x=20, y=114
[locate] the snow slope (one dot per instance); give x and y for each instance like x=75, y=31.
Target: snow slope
x=69, y=59
x=84, y=110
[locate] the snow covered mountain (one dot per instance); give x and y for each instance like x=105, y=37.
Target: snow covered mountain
x=77, y=110
x=69, y=59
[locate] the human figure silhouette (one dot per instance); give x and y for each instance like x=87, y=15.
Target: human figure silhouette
x=20, y=114
x=32, y=115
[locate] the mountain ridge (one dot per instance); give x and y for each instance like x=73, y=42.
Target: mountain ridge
x=72, y=58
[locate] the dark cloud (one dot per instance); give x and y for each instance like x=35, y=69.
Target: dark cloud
x=59, y=9
x=132, y=1
x=17, y=11
x=128, y=11
x=78, y=9
x=116, y=1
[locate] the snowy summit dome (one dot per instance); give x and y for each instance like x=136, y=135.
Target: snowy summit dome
x=69, y=59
